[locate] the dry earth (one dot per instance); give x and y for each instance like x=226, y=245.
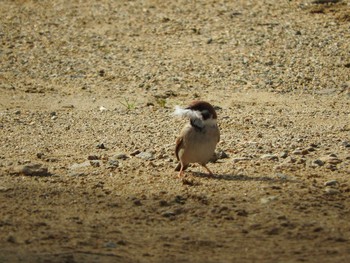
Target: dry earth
x=87, y=133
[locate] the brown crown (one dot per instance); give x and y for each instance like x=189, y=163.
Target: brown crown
x=201, y=106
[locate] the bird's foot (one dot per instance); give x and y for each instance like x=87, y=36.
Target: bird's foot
x=181, y=175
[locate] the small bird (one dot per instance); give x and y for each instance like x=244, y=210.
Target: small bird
x=198, y=138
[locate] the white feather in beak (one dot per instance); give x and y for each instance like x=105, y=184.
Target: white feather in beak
x=181, y=112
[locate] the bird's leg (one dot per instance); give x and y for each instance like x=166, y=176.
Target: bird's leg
x=210, y=173
x=181, y=173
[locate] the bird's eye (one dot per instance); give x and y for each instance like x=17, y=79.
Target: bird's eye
x=205, y=114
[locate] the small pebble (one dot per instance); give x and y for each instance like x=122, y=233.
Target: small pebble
x=4, y=189
x=103, y=109
x=69, y=106
x=221, y=154
x=134, y=153
x=301, y=161
x=314, y=145
x=110, y=244
x=331, y=167
x=331, y=183
x=283, y=155
x=240, y=159
x=188, y=181
x=282, y=176
x=290, y=159
x=241, y=212
x=318, y=162
x=137, y=202
x=270, y=157
x=40, y=155
x=163, y=203
x=305, y=152
x=101, y=73
x=95, y=163
x=77, y=174
x=297, y=152
x=180, y=199
x=311, y=149
x=11, y=239
x=121, y=243
x=121, y=156
x=334, y=161
x=100, y=146
x=331, y=159
x=168, y=214
x=32, y=169
x=268, y=199
x=146, y=156
x=112, y=164
x=93, y=157
x=273, y=231
x=80, y=165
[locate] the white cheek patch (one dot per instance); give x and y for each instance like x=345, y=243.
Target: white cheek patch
x=181, y=112
x=210, y=122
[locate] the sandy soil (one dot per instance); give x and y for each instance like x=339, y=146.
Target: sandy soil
x=87, y=133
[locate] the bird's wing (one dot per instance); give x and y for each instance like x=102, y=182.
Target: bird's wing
x=179, y=142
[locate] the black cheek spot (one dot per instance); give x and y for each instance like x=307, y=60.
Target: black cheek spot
x=205, y=114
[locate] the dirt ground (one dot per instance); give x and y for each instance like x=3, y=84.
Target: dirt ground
x=87, y=160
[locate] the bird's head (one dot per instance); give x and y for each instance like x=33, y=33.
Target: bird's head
x=199, y=112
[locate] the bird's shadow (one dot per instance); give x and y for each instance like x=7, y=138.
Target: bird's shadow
x=240, y=177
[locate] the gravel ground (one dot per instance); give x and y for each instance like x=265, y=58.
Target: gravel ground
x=87, y=132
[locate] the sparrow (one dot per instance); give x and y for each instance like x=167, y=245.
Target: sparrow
x=198, y=138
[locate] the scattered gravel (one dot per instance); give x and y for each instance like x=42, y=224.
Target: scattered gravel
x=87, y=95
